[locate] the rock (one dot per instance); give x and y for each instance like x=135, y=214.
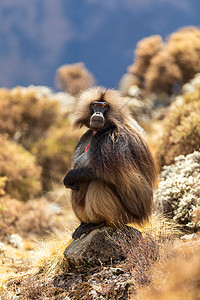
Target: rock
x=101, y=246
x=16, y=241
x=117, y=271
x=2, y=247
x=190, y=237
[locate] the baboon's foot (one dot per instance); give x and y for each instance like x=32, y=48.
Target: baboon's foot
x=85, y=228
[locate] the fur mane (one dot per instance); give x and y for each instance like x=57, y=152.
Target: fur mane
x=116, y=115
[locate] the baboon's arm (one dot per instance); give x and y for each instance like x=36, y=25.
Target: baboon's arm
x=74, y=176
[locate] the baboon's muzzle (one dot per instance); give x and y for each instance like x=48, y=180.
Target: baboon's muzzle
x=97, y=121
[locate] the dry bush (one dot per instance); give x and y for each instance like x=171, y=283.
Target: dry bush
x=39, y=120
x=34, y=219
x=54, y=153
x=181, y=132
x=146, y=49
x=20, y=168
x=162, y=73
x=74, y=78
x=165, y=67
x=175, y=275
x=25, y=114
x=178, y=192
x=3, y=180
x=32, y=287
x=184, y=47
x=126, y=82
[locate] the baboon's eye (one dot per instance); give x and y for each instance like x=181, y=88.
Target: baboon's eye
x=95, y=104
x=103, y=104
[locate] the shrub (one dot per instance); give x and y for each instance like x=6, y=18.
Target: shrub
x=146, y=49
x=35, y=118
x=54, y=153
x=2, y=185
x=162, y=73
x=165, y=67
x=181, y=133
x=20, y=168
x=184, y=46
x=73, y=78
x=25, y=114
x=178, y=193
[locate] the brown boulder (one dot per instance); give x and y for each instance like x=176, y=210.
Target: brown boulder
x=101, y=246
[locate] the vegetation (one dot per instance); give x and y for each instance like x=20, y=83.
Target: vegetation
x=181, y=133
x=25, y=115
x=33, y=119
x=73, y=78
x=18, y=166
x=178, y=193
x=36, y=146
x=54, y=153
x=166, y=66
x=2, y=185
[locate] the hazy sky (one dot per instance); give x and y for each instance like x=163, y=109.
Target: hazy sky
x=36, y=37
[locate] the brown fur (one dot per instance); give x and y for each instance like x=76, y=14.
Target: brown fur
x=122, y=190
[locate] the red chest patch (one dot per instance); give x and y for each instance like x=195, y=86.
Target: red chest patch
x=87, y=147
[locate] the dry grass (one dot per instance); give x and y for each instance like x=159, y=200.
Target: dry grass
x=176, y=274
x=48, y=256
x=159, y=267
x=159, y=226
x=36, y=218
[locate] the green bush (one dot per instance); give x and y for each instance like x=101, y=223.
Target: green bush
x=20, y=168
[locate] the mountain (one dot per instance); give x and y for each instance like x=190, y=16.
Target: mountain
x=36, y=37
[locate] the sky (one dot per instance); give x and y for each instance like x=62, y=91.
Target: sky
x=37, y=37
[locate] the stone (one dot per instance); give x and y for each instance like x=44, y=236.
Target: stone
x=101, y=246
x=16, y=241
x=2, y=247
x=190, y=237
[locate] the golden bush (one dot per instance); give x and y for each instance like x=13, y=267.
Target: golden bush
x=74, y=78
x=184, y=47
x=25, y=115
x=162, y=73
x=54, y=153
x=38, y=120
x=146, y=49
x=181, y=134
x=165, y=67
x=2, y=185
x=20, y=168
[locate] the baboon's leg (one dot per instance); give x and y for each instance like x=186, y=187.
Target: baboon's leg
x=102, y=204
x=85, y=228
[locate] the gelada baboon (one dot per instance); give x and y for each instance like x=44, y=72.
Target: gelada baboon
x=113, y=172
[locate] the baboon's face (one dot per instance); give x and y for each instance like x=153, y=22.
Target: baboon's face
x=98, y=113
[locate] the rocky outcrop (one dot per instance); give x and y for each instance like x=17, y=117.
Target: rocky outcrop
x=101, y=246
